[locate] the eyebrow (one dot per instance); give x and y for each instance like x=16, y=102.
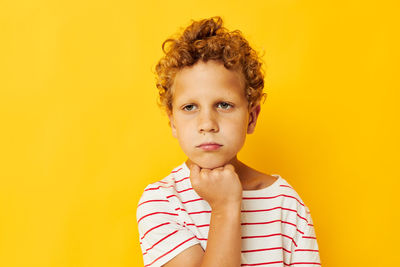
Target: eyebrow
x=217, y=100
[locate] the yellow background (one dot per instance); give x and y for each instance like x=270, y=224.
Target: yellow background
x=81, y=134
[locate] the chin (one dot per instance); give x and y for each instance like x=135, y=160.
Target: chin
x=210, y=164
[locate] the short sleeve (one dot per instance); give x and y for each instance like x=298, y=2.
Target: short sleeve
x=162, y=235
x=306, y=252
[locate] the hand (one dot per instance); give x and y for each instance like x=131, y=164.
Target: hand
x=220, y=187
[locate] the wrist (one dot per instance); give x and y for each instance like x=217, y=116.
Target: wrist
x=227, y=209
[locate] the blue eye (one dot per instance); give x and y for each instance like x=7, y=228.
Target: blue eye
x=225, y=105
x=188, y=107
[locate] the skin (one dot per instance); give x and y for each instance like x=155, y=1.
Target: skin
x=198, y=116
x=209, y=105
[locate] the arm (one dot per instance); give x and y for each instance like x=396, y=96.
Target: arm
x=306, y=250
x=223, y=192
x=223, y=245
x=224, y=238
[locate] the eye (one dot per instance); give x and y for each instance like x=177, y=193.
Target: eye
x=224, y=105
x=188, y=107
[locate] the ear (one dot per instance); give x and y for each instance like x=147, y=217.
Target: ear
x=172, y=125
x=253, y=116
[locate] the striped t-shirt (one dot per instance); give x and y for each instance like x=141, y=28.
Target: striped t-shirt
x=277, y=229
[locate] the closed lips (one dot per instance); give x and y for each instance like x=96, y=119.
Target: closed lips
x=208, y=144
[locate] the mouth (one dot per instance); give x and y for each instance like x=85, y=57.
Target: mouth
x=209, y=146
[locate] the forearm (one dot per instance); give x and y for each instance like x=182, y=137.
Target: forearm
x=224, y=238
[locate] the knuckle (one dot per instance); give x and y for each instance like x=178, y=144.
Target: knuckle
x=214, y=175
x=227, y=171
x=203, y=174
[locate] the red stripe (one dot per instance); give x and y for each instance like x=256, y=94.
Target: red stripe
x=208, y=225
x=286, y=186
x=197, y=226
x=310, y=237
x=192, y=200
x=302, y=218
x=263, y=236
x=290, y=238
x=244, y=198
x=187, y=189
x=209, y=211
x=180, y=209
x=170, y=251
x=295, y=263
x=265, y=249
x=203, y=225
x=176, y=170
x=261, y=263
x=159, y=241
x=255, y=223
x=277, y=208
x=269, y=210
x=281, y=195
x=300, y=231
x=153, y=229
x=198, y=212
x=153, y=200
x=195, y=212
x=181, y=180
x=249, y=198
x=156, y=213
x=162, y=186
x=311, y=250
x=293, y=224
x=155, y=188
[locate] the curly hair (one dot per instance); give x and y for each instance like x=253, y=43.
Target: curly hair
x=204, y=40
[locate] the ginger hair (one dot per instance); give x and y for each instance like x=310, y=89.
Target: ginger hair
x=204, y=40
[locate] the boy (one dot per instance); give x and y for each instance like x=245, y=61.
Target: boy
x=213, y=210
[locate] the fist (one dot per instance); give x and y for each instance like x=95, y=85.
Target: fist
x=220, y=187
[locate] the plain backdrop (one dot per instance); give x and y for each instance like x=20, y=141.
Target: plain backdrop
x=81, y=133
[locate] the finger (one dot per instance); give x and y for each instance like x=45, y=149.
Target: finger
x=204, y=174
x=230, y=167
x=219, y=168
x=194, y=170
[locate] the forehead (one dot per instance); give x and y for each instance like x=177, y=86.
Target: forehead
x=208, y=79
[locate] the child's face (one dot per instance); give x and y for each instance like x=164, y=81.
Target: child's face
x=209, y=106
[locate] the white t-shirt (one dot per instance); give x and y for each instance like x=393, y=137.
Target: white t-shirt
x=277, y=229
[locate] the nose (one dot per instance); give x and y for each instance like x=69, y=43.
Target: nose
x=207, y=121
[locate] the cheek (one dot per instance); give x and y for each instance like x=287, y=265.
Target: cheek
x=185, y=133
x=238, y=127
x=239, y=124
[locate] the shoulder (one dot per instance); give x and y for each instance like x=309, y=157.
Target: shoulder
x=160, y=191
x=158, y=218
x=273, y=186
x=266, y=180
x=289, y=192
x=278, y=188
x=294, y=202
